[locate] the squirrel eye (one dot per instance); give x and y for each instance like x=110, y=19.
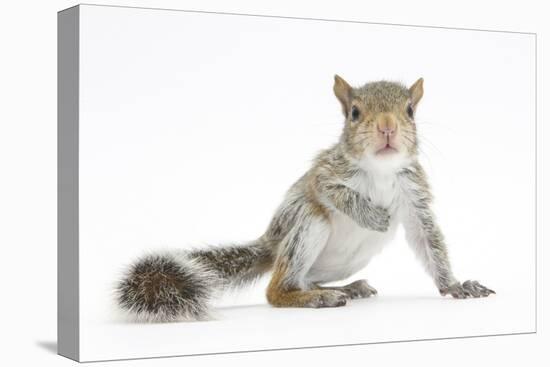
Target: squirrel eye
x=410, y=111
x=354, y=113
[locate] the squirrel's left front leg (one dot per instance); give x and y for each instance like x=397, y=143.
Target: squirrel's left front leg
x=426, y=239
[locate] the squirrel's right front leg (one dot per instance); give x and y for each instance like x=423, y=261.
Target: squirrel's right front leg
x=297, y=253
x=355, y=206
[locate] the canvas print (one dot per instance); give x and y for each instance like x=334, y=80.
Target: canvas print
x=272, y=182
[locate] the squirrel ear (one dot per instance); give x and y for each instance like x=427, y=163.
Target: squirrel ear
x=342, y=90
x=417, y=91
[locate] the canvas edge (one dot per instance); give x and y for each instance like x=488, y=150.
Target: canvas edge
x=68, y=338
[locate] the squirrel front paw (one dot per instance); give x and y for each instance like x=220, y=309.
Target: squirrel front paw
x=468, y=289
x=378, y=219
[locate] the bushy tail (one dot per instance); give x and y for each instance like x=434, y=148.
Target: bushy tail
x=177, y=285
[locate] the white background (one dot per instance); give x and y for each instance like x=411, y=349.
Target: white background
x=192, y=127
x=187, y=140
x=29, y=155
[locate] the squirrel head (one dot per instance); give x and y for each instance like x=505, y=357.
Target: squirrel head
x=379, y=126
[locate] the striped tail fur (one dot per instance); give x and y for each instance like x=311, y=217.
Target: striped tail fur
x=177, y=285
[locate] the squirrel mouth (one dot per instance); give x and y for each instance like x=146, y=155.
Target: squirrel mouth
x=387, y=149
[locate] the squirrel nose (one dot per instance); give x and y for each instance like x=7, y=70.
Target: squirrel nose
x=386, y=125
x=386, y=130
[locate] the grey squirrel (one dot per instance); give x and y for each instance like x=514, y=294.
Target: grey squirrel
x=333, y=219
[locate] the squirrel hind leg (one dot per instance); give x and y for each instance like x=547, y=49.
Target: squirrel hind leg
x=316, y=298
x=279, y=295
x=297, y=253
x=358, y=289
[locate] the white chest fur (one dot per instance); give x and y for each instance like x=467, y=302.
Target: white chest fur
x=350, y=247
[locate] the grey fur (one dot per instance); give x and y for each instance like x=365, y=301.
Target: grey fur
x=433, y=253
x=382, y=95
x=178, y=285
x=344, y=189
x=359, y=208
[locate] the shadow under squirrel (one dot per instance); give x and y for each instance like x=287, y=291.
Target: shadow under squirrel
x=338, y=215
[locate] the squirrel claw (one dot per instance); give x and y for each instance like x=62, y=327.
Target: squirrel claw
x=360, y=289
x=468, y=289
x=329, y=298
x=380, y=219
